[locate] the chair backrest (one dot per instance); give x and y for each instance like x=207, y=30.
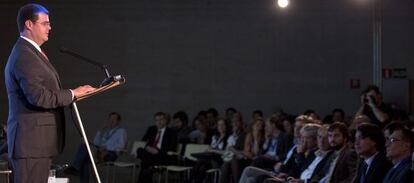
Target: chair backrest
x=194, y=148
x=136, y=145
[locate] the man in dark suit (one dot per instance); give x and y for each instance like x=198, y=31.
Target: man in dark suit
x=160, y=140
x=369, y=145
x=343, y=164
x=399, y=147
x=35, y=131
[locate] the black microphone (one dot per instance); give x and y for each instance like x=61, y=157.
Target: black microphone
x=108, y=78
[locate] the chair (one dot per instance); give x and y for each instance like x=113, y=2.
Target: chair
x=125, y=161
x=189, y=150
x=216, y=174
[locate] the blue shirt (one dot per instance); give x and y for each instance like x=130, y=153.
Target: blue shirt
x=112, y=140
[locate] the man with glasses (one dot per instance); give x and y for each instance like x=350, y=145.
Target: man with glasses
x=36, y=99
x=399, y=145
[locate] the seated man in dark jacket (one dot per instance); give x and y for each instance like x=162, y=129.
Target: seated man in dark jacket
x=160, y=140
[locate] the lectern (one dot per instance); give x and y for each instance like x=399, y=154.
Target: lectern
x=117, y=81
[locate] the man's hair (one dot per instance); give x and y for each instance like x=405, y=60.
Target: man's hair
x=339, y=110
x=258, y=112
x=213, y=111
x=312, y=129
x=160, y=114
x=407, y=133
x=231, y=109
x=182, y=116
x=118, y=116
x=372, y=88
x=372, y=132
x=341, y=128
x=29, y=12
x=391, y=127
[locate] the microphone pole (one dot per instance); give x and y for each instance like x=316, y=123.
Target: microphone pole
x=108, y=77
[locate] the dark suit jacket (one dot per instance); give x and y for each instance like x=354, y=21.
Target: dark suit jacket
x=377, y=171
x=169, y=140
x=36, y=119
x=346, y=166
x=319, y=171
x=402, y=173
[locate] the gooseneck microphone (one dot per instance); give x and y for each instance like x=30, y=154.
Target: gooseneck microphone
x=108, y=77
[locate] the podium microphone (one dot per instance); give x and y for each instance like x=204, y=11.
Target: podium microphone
x=108, y=77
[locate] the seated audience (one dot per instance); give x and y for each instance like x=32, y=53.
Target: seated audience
x=234, y=149
x=212, y=157
x=399, y=147
x=369, y=145
x=109, y=141
x=180, y=125
x=343, y=164
x=373, y=106
x=160, y=140
x=201, y=134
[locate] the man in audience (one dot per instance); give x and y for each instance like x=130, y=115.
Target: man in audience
x=160, y=140
x=180, y=125
x=322, y=158
x=109, y=141
x=343, y=164
x=212, y=116
x=369, y=145
x=373, y=106
x=293, y=161
x=399, y=147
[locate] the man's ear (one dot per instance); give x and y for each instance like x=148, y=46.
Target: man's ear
x=28, y=24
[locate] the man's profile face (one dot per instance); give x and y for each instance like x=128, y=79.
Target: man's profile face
x=40, y=29
x=395, y=145
x=364, y=146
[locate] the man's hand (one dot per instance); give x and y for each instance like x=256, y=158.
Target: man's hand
x=296, y=181
x=151, y=150
x=81, y=90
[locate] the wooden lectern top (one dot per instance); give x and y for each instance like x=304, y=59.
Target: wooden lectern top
x=99, y=90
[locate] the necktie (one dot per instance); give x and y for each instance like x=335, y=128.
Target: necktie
x=363, y=172
x=44, y=54
x=157, y=139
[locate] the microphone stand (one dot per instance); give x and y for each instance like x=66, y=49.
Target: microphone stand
x=106, y=81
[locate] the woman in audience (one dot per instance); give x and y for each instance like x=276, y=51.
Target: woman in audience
x=201, y=135
x=234, y=149
x=252, y=148
x=212, y=158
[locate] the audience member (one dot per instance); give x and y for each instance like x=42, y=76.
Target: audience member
x=257, y=114
x=369, y=145
x=212, y=116
x=180, y=125
x=399, y=147
x=160, y=140
x=109, y=141
x=373, y=106
x=212, y=157
x=234, y=149
x=343, y=164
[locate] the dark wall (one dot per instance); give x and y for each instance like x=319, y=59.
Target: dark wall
x=195, y=54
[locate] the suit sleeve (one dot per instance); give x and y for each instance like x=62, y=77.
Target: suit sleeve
x=351, y=163
x=32, y=81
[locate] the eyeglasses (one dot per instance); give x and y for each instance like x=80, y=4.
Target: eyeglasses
x=46, y=23
x=392, y=140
